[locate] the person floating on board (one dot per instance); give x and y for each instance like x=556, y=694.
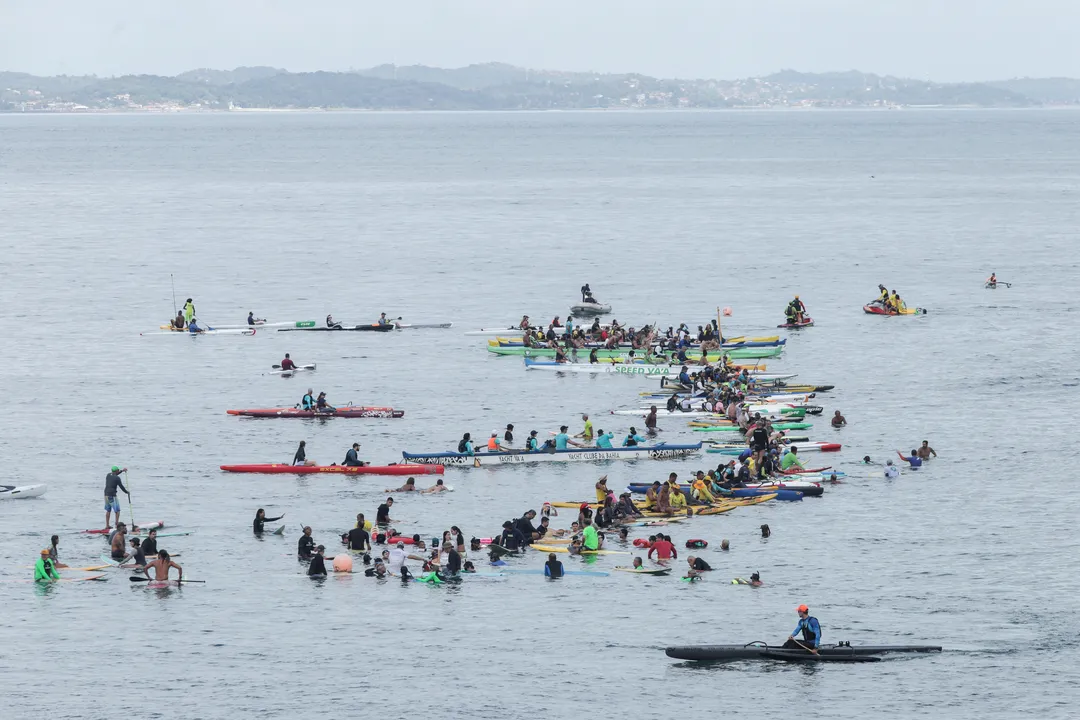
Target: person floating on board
x=261, y=519
x=382, y=513
x=437, y=487
x=754, y=581
x=161, y=567
x=112, y=482
x=45, y=568
x=352, y=458
x=913, y=459
x=317, y=566
x=838, y=420
x=149, y=545
x=553, y=568
x=117, y=549
x=409, y=486
x=287, y=363
x=810, y=629
x=926, y=451
x=305, y=546
x=189, y=311
x=54, y=552
x=178, y=322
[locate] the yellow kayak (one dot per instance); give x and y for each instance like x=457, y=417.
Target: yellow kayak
x=554, y=549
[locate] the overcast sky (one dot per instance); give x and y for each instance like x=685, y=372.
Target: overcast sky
x=947, y=40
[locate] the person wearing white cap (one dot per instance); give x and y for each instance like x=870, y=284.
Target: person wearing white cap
x=493, y=443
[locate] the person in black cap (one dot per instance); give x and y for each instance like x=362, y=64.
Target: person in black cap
x=532, y=443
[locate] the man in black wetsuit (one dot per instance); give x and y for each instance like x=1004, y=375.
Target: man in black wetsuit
x=586, y=291
x=759, y=440
x=317, y=566
x=526, y=528
x=511, y=537
x=358, y=537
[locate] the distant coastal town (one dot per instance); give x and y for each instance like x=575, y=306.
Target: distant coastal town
x=497, y=86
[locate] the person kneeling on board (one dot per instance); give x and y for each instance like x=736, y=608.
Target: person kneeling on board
x=810, y=629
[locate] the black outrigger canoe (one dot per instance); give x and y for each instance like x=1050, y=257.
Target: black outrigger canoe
x=843, y=652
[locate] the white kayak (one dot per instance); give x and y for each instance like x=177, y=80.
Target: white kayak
x=667, y=413
x=289, y=373
x=245, y=326
x=422, y=326
x=213, y=331
x=592, y=308
x=16, y=492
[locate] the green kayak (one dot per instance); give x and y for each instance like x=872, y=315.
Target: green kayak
x=734, y=354
x=777, y=426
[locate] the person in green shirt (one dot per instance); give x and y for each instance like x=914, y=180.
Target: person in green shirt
x=791, y=459
x=591, y=539
x=587, y=433
x=45, y=569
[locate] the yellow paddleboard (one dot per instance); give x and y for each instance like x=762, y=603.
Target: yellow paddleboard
x=555, y=549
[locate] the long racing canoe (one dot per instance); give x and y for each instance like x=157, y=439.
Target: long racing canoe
x=208, y=331
x=282, y=468
x=736, y=354
x=761, y=651
x=245, y=326
x=371, y=327
x=663, y=451
x=351, y=411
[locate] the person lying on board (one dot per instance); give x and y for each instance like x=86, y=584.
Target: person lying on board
x=437, y=487
x=409, y=486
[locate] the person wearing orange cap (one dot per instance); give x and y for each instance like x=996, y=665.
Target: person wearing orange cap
x=810, y=629
x=45, y=569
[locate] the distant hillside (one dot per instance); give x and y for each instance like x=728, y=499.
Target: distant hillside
x=497, y=86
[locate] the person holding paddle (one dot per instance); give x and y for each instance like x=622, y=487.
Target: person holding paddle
x=161, y=567
x=810, y=629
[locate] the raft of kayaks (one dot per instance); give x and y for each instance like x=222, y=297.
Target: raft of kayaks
x=282, y=468
x=661, y=451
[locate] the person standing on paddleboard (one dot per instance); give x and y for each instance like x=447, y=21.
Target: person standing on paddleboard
x=189, y=311
x=112, y=482
x=810, y=629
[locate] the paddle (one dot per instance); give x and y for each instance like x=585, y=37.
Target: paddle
x=131, y=505
x=138, y=578
x=810, y=650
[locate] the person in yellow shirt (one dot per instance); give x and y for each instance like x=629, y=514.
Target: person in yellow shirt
x=587, y=434
x=601, y=489
x=651, y=495
x=678, y=499
x=701, y=489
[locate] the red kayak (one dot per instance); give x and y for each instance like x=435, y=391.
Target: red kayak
x=352, y=411
x=280, y=468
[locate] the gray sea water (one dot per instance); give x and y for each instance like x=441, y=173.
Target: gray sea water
x=477, y=219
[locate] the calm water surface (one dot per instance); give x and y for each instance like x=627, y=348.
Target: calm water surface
x=476, y=219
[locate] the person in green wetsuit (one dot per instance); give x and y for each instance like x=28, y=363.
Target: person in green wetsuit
x=45, y=569
x=591, y=539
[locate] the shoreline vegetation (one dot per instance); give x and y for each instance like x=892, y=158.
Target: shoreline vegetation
x=501, y=87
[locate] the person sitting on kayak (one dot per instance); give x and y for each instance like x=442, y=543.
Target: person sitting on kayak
x=383, y=320
x=810, y=629
x=992, y=280
x=560, y=356
x=494, y=444
x=45, y=568
x=178, y=322
x=252, y=320
x=800, y=310
x=323, y=407
x=287, y=363
x=193, y=327
x=633, y=439
x=308, y=401
x=465, y=445
x=331, y=324
x=352, y=458
x=913, y=460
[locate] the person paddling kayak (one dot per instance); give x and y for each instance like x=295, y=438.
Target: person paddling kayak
x=287, y=363
x=261, y=519
x=322, y=407
x=112, y=482
x=810, y=629
x=252, y=320
x=161, y=567
x=45, y=568
x=331, y=324
x=308, y=401
x=352, y=458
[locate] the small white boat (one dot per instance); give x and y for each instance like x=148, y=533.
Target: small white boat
x=17, y=492
x=289, y=373
x=592, y=308
x=423, y=326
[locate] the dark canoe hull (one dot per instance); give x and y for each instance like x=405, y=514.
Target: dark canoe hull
x=719, y=653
